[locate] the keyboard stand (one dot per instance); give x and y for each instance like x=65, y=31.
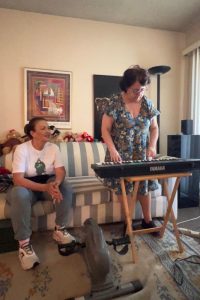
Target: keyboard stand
x=129, y=211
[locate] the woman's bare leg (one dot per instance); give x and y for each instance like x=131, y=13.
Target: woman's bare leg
x=145, y=201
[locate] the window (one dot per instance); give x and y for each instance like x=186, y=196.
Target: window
x=193, y=57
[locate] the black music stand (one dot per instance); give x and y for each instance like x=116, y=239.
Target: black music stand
x=158, y=70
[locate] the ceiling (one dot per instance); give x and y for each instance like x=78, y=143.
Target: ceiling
x=173, y=15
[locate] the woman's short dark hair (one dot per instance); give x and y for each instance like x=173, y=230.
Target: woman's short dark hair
x=30, y=126
x=132, y=75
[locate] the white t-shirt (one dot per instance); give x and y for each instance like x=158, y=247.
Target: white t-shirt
x=34, y=162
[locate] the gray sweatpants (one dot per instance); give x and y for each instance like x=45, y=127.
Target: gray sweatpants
x=21, y=201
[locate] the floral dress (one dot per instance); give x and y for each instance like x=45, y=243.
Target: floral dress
x=131, y=137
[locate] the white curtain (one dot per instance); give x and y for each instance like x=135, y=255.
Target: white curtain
x=195, y=89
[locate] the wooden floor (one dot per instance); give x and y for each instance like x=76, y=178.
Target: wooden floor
x=189, y=213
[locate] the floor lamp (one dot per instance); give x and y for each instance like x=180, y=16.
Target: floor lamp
x=158, y=70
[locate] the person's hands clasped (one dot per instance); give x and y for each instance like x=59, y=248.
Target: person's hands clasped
x=115, y=156
x=54, y=191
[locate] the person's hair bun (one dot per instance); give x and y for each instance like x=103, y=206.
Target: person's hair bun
x=26, y=129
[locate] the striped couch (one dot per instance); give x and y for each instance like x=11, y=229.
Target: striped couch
x=90, y=197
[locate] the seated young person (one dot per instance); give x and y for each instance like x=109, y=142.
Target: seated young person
x=38, y=173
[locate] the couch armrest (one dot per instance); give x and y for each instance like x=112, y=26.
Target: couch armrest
x=171, y=182
x=7, y=160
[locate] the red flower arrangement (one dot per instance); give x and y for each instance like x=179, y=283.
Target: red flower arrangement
x=78, y=137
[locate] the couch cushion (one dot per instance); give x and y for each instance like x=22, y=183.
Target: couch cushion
x=78, y=157
x=88, y=190
x=39, y=209
x=103, y=213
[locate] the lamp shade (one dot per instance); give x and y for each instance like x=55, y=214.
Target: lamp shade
x=159, y=70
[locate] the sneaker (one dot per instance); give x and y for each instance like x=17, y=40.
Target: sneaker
x=62, y=236
x=27, y=257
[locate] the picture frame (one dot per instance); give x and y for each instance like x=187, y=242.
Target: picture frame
x=47, y=94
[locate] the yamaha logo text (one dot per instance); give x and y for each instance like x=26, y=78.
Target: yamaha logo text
x=157, y=168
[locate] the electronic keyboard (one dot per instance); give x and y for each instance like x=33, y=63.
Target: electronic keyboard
x=160, y=165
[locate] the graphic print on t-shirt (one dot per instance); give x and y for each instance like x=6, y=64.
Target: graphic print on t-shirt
x=40, y=167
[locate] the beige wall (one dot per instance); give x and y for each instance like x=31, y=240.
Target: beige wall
x=84, y=48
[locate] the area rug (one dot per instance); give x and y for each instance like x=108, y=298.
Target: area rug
x=61, y=278
x=184, y=267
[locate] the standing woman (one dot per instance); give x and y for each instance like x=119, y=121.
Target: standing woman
x=130, y=130
x=38, y=174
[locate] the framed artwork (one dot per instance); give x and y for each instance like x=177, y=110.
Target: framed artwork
x=48, y=94
x=104, y=86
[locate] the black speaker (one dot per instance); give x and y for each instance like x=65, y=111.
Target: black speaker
x=186, y=146
x=187, y=126
x=179, y=145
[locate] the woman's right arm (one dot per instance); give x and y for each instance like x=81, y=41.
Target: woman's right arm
x=106, y=127
x=20, y=180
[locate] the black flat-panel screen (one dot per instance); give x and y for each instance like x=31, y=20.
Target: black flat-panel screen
x=104, y=86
